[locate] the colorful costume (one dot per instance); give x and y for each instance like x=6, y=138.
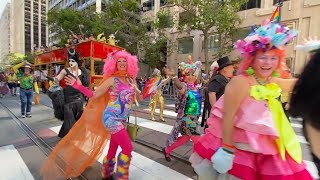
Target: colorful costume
x=157, y=96
x=72, y=108
x=264, y=143
x=255, y=137
x=3, y=84
x=189, y=111
x=103, y=118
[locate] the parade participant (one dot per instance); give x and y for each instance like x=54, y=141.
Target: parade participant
x=12, y=82
x=218, y=82
x=26, y=91
x=304, y=102
x=206, y=104
x=105, y=115
x=73, y=98
x=3, y=84
x=188, y=107
x=157, y=97
x=249, y=136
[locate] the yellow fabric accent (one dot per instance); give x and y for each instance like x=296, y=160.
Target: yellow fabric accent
x=36, y=88
x=50, y=84
x=284, y=97
x=17, y=66
x=12, y=78
x=287, y=140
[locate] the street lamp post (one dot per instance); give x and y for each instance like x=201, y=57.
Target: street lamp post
x=280, y=3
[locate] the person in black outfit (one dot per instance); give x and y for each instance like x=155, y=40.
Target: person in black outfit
x=74, y=100
x=216, y=86
x=305, y=101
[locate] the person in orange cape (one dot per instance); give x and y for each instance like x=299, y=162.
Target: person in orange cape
x=104, y=118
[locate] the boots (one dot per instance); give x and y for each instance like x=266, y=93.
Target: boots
x=107, y=168
x=161, y=101
x=123, y=164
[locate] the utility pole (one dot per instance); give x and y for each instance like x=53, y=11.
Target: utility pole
x=280, y=3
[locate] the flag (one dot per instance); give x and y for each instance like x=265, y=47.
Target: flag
x=276, y=15
x=151, y=86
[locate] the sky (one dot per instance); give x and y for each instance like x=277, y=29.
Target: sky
x=3, y=4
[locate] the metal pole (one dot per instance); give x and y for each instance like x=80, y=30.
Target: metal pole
x=280, y=3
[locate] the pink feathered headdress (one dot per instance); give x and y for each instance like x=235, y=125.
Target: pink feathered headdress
x=110, y=65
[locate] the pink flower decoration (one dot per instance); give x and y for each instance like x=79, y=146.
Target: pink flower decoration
x=240, y=44
x=249, y=48
x=265, y=40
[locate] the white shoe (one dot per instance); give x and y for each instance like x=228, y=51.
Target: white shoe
x=29, y=115
x=23, y=116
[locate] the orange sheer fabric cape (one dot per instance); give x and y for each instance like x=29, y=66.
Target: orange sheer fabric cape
x=83, y=145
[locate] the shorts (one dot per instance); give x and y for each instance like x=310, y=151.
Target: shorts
x=12, y=85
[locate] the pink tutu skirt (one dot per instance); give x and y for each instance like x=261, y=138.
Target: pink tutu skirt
x=256, y=156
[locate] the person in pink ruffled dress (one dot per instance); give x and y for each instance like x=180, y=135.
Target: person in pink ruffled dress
x=249, y=136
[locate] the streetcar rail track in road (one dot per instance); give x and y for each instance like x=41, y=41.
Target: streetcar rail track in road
x=35, y=138
x=150, y=145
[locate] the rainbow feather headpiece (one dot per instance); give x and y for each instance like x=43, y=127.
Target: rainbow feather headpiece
x=268, y=36
x=190, y=67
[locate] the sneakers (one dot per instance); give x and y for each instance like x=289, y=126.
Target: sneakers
x=29, y=115
x=23, y=116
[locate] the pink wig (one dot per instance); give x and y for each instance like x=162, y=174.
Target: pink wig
x=248, y=60
x=110, y=65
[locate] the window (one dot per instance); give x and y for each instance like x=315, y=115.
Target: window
x=163, y=3
x=276, y=1
x=213, y=42
x=251, y=4
x=148, y=5
x=240, y=34
x=185, y=45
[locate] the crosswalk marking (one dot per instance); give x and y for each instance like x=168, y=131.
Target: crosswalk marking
x=164, y=128
x=169, y=113
x=311, y=167
x=302, y=139
x=161, y=128
x=12, y=165
x=143, y=168
x=157, y=126
x=295, y=125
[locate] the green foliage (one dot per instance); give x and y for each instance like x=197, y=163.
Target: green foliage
x=211, y=17
x=14, y=58
x=120, y=18
x=164, y=20
x=155, y=53
x=29, y=57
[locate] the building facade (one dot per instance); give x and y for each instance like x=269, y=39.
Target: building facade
x=28, y=28
x=5, y=35
x=301, y=15
x=74, y=4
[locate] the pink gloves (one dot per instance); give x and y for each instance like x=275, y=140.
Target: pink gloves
x=87, y=92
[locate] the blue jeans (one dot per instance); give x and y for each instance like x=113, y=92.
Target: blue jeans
x=26, y=98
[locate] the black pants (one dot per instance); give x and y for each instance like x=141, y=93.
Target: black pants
x=72, y=112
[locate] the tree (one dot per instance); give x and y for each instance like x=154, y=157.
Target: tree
x=211, y=17
x=14, y=58
x=29, y=57
x=121, y=18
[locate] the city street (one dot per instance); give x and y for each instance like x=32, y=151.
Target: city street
x=25, y=143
